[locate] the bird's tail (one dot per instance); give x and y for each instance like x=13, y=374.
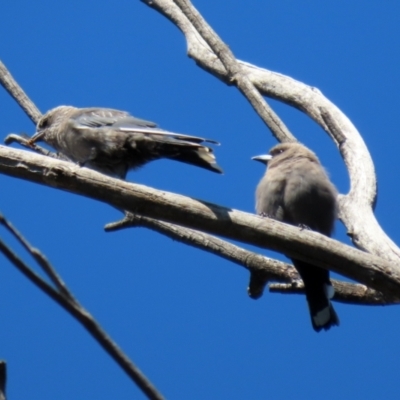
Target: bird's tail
x=200, y=156
x=184, y=148
x=319, y=291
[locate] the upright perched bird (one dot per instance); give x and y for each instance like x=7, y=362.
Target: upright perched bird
x=296, y=190
x=113, y=142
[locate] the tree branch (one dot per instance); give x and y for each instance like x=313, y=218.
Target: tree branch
x=235, y=74
x=305, y=245
x=16, y=92
x=262, y=269
x=347, y=293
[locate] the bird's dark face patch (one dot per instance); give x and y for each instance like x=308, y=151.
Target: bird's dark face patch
x=277, y=150
x=43, y=123
x=286, y=152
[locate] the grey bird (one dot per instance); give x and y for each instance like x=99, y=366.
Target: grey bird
x=296, y=190
x=113, y=142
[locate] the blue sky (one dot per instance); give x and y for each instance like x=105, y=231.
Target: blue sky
x=182, y=315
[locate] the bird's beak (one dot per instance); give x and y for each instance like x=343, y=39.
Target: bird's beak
x=264, y=158
x=37, y=137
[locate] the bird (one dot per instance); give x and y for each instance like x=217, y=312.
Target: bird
x=114, y=142
x=296, y=190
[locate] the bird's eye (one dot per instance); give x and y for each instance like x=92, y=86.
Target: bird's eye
x=43, y=123
x=276, y=152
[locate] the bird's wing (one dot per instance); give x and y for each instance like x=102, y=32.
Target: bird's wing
x=160, y=132
x=106, y=117
x=124, y=122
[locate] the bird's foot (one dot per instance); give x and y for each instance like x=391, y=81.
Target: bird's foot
x=264, y=215
x=304, y=227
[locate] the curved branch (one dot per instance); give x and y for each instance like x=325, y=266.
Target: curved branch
x=356, y=207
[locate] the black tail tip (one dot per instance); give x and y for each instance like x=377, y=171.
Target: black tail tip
x=325, y=319
x=216, y=168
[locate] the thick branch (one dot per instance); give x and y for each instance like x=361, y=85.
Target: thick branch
x=305, y=245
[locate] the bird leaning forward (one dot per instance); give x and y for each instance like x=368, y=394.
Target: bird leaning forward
x=296, y=189
x=113, y=142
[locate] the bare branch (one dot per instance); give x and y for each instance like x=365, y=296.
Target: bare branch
x=252, y=261
x=235, y=74
x=345, y=292
x=40, y=259
x=356, y=207
x=305, y=245
x=262, y=269
x=16, y=92
x=24, y=141
x=77, y=311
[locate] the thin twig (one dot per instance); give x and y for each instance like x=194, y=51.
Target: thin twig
x=23, y=140
x=40, y=259
x=345, y=292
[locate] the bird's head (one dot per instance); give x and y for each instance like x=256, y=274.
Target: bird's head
x=50, y=119
x=286, y=151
